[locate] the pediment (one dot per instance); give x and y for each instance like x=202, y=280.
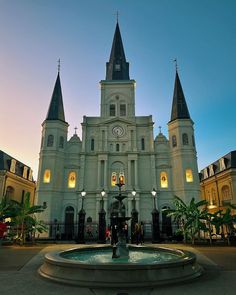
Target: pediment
x=117, y=120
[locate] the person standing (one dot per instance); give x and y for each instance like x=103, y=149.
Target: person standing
x=3, y=230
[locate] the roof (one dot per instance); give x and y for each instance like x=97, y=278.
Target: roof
x=179, y=105
x=226, y=162
x=5, y=164
x=117, y=68
x=56, y=109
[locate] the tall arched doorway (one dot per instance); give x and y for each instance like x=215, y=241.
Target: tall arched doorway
x=69, y=223
x=166, y=224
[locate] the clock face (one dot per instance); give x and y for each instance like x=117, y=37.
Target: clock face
x=117, y=131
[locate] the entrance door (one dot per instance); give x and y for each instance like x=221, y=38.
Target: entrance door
x=69, y=223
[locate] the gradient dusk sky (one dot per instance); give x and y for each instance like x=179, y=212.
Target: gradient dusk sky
x=34, y=34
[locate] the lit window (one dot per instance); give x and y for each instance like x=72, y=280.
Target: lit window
x=61, y=142
x=13, y=166
x=185, y=138
x=47, y=176
x=174, y=141
x=72, y=180
x=50, y=140
x=189, y=175
x=112, y=110
x=122, y=178
x=122, y=110
x=113, y=179
x=164, y=180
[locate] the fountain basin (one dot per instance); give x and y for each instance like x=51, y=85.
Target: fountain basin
x=68, y=267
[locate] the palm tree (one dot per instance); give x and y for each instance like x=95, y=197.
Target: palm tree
x=25, y=218
x=190, y=217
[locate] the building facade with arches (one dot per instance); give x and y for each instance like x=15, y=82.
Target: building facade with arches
x=218, y=182
x=116, y=143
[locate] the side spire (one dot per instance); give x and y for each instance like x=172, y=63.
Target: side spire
x=56, y=109
x=179, y=105
x=117, y=68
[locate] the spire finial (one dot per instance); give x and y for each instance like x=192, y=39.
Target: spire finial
x=159, y=129
x=117, y=16
x=59, y=65
x=75, y=130
x=176, y=64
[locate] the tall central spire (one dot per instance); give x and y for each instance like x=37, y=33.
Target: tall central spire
x=56, y=109
x=179, y=105
x=117, y=67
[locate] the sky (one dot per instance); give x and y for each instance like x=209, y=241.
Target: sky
x=34, y=34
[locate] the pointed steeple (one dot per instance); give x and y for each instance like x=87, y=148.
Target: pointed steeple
x=179, y=105
x=56, y=109
x=117, y=68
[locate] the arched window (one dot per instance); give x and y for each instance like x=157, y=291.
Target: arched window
x=185, y=138
x=123, y=110
x=174, y=141
x=112, y=110
x=189, y=175
x=142, y=144
x=92, y=144
x=225, y=191
x=163, y=179
x=61, y=142
x=47, y=176
x=72, y=179
x=50, y=140
x=117, y=147
x=10, y=193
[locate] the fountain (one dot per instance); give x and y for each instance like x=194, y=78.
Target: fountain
x=120, y=265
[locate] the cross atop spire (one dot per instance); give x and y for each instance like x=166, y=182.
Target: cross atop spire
x=176, y=64
x=59, y=65
x=75, y=130
x=117, y=68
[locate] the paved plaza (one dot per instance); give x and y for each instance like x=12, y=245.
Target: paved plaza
x=19, y=265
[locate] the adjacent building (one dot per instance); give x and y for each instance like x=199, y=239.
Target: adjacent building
x=16, y=179
x=218, y=182
x=116, y=143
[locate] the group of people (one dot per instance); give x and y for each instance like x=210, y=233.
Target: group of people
x=138, y=233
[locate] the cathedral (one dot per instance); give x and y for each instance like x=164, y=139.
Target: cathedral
x=74, y=172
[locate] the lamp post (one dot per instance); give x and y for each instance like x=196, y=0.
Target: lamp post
x=155, y=220
x=81, y=220
x=134, y=217
x=102, y=221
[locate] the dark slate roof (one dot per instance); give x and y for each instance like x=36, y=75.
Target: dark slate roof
x=5, y=164
x=179, y=105
x=229, y=160
x=117, y=58
x=56, y=109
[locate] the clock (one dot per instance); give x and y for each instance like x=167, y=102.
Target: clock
x=118, y=131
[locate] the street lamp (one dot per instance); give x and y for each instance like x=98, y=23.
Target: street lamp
x=102, y=221
x=154, y=192
x=81, y=220
x=155, y=220
x=134, y=217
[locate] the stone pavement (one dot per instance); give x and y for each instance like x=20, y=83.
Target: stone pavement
x=18, y=274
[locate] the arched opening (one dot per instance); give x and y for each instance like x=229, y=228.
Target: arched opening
x=166, y=224
x=69, y=223
x=10, y=193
